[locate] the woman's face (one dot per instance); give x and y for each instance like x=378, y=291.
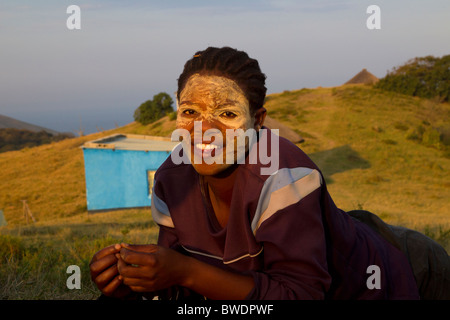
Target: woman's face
x=218, y=103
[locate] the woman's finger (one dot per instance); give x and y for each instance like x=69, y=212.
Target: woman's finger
x=148, y=248
x=99, y=266
x=105, y=252
x=133, y=270
x=105, y=277
x=111, y=288
x=137, y=258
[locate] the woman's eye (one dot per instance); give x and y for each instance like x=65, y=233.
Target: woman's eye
x=228, y=114
x=189, y=112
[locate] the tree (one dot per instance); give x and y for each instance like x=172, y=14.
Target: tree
x=152, y=110
x=426, y=77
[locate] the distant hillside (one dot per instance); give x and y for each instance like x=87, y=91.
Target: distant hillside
x=378, y=150
x=16, y=134
x=7, y=122
x=16, y=139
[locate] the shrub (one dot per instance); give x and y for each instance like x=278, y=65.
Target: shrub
x=173, y=116
x=415, y=133
x=152, y=110
x=431, y=138
x=426, y=77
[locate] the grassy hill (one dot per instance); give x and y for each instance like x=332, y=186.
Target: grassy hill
x=380, y=151
x=8, y=122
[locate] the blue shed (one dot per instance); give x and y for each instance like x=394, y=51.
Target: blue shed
x=119, y=170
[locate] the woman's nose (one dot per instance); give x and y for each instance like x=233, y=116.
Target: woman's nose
x=206, y=129
x=207, y=125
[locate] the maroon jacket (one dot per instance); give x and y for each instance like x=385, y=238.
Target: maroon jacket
x=283, y=229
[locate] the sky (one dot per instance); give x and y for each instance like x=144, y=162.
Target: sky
x=125, y=52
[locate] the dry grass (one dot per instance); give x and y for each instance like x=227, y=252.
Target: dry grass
x=366, y=142
x=359, y=140
x=34, y=257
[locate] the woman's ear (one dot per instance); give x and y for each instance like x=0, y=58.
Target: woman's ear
x=260, y=115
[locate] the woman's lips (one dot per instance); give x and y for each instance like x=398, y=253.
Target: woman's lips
x=209, y=146
x=206, y=149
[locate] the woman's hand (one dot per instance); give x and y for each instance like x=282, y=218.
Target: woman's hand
x=105, y=275
x=149, y=268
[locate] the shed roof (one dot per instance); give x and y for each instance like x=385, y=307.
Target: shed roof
x=363, y=76
x=132, y=142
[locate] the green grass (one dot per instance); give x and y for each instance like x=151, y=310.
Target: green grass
x=35, y=257
x=380, y=151
x=360, y=139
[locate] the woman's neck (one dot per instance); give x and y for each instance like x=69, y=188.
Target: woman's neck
x=222, y=183
x=220, y=189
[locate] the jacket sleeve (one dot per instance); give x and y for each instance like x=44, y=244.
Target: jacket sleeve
x=289, y=225
x=167, y=238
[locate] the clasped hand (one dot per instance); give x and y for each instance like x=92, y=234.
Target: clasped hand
x=121, y=269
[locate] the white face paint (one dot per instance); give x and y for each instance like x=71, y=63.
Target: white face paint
x=220, y=105
x=214, y=98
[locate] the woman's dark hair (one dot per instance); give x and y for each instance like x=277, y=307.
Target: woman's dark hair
x=232, y=64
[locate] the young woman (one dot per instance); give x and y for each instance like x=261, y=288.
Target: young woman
x=228, y=231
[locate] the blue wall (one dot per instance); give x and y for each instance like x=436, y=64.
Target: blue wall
x=118, y=178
